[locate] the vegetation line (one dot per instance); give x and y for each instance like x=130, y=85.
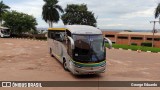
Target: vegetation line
x=135, y=48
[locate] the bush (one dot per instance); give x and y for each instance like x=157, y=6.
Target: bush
x=135, y=44
x=133, y=47
x=148, y=44
x=34, y=36
x=40, y=36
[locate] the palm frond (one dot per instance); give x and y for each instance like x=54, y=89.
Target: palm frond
x=157, y=11
x=50, y=11
x=59, y=8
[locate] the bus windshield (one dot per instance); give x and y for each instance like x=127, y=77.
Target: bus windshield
x=88, y=48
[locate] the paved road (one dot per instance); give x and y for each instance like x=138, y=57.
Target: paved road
x=28, y=60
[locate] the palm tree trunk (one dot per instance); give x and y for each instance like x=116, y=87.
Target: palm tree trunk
x=0, y=22
x=51, y=24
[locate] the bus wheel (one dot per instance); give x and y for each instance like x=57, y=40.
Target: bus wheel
x=50, y=51
x=65, y=65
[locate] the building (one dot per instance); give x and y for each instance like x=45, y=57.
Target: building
x=129, y=38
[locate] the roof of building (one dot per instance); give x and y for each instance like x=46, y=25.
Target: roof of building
x=139, y=33
x=83, y=29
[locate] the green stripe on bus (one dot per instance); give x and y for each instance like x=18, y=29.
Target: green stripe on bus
x=89, y=64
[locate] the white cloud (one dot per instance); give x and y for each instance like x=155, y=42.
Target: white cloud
x=32, y=7
x=104, y=19
x=116, y=14
x=144, y=13
x=112, y=25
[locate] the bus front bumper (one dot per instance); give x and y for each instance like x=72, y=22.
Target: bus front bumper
x=88, y=70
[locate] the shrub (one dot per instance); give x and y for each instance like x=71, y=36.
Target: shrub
x=34, y=36
x=135, y=44
x=148, y=44
x=135, y=48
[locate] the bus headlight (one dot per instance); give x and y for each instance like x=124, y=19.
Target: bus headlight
x=75, y=65
x=103, y=65
x=78, y=66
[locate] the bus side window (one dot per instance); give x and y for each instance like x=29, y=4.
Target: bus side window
x=52, y=36
x=68, y=33
x=57, y=36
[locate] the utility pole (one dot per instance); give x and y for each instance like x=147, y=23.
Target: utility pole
x=154, y=31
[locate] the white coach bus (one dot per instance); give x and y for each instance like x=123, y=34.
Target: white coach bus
x=4, y=32
x=80, y=48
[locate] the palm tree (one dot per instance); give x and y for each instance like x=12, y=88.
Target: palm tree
x=3, y=9
x=157, y=11
x=50, y=12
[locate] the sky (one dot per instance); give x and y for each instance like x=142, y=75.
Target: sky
x=110, y=14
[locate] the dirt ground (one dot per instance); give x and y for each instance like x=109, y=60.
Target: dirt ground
x=29, y=60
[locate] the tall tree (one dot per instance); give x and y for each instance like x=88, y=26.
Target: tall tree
x=50, y=12
x=3, y=9
x=19, y=23
x=78, y=14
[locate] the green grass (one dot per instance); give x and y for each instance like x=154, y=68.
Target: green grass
x=133, y=47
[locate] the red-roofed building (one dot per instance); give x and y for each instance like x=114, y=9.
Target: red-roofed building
x=129, y=38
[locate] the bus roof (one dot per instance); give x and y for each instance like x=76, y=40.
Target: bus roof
x=83, y=29
x=79, y=29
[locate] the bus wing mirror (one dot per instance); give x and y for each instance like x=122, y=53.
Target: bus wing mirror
x=109, y=42
x=72, y=42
